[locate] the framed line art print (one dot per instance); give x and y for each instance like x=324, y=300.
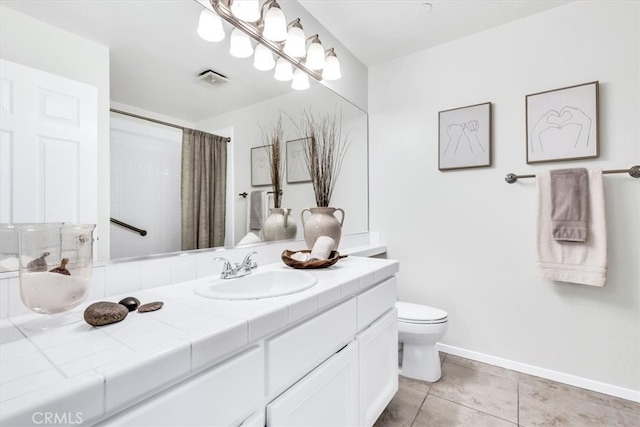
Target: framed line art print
x=562, y=124
x=297, y=169
x=464, y=137
x=260, y=166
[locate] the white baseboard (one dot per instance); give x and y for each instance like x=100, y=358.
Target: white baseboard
x=585, y=383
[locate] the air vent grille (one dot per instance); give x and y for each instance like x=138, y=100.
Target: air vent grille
x=212, y=78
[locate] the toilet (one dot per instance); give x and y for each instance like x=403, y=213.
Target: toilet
x=420, y=327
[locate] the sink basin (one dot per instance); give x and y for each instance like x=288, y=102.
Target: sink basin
x=265, y=284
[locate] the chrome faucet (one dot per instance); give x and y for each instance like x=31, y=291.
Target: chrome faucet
x=240, y=269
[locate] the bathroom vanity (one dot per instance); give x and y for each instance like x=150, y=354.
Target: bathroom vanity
x=326, y=355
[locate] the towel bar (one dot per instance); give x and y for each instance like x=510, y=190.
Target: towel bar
x=633, y=171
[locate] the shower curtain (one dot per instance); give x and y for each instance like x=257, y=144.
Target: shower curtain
x=203, y=189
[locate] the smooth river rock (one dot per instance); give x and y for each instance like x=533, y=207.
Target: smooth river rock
x=130, y=302
x=152, y=306
x=104, y=313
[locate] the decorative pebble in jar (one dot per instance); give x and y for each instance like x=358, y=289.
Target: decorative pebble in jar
x=56, y=264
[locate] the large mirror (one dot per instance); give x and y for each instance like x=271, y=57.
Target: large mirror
x=154, y=58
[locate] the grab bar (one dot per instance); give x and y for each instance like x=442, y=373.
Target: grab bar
x=129, y=227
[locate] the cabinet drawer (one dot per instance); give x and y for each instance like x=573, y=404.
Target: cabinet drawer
x=328, y=396
x=375, y=302
x=223, y=395
x=296, y=352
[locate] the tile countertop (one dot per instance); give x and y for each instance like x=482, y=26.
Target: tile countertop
x=82, y=372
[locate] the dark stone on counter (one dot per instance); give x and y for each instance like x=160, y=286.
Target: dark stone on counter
x=104, y=313
x=131, y=303
x=152, y=306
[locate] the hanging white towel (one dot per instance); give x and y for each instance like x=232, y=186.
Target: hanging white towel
x=574, y=262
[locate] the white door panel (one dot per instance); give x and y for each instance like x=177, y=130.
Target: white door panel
x=48, y=147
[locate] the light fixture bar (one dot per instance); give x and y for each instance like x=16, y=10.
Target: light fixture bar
x=222, y=9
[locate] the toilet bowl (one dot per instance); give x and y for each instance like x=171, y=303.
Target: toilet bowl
x=420, y=327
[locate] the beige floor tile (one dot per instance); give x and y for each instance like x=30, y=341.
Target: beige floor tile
x=437, y=412
x=544, y=405
x=494, y=395
x=403, y=408
x=629, y=419
x=580, y=393
x=413, y=383
x=483, y=367
x=627, y=406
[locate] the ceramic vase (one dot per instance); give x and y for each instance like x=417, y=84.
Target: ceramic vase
x=279, y=225
x=322, y=222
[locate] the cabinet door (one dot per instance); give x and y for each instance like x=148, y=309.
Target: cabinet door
x=221, y=396
x=328, y=396
x=378, y=358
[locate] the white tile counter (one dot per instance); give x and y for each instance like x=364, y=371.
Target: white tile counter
x=80, y=373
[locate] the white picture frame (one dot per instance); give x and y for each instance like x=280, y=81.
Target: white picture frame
x=562, y=124
x=260, y=166
x=464, y=137
x=297, y=168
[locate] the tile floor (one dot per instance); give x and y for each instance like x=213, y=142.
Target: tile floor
x=474, y=394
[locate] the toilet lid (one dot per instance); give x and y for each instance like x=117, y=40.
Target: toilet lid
x=419, y=313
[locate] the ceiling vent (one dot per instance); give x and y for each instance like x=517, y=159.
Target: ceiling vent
x=212, y=78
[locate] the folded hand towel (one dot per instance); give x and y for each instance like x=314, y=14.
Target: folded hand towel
x=322, y=247
x=584, y=263
x=569, y=204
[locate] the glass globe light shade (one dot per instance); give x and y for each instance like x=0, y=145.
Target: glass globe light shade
x=300, y=80
x=263, y=58
x=284, y=71
x=247, y=10
x=315, y=55
x=331, y=67
x=210, y=26
x=240, y=44
x=295, y=43
x=275, y=24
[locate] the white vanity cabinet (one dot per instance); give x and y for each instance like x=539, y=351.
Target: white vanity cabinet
x=328, y=396
x=224, y=395
x=378, y=363
x=337, y=366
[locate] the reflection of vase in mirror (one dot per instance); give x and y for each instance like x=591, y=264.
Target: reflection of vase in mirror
x=322, y=222
x=279, y=225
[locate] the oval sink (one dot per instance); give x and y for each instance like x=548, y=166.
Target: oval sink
x=265, y=284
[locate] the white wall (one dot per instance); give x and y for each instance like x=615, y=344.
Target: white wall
x=466, y=239
x=39, y=45
x=248, y=123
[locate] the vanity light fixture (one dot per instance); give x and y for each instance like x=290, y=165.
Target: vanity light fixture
x=275, y=24
x=300, y=80
x=284, y=70
x=210, y=26
x=263, y=58
x=273, y=36
x=240, y=44
x=247, y=10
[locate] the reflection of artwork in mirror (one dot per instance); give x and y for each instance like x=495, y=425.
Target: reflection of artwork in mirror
x=464, y=137
x=562, y=124
x=260, y=169
x=297, y=170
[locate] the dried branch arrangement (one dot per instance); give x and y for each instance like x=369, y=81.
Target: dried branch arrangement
x=324, y=152
x=274, y=144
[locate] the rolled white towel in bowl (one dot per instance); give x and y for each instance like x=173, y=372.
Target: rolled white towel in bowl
x=322, y=248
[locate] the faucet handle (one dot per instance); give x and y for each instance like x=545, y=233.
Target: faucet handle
x=248, y=262
x=226, y=268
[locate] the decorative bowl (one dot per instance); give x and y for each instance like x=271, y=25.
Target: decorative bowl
x=334, y=256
